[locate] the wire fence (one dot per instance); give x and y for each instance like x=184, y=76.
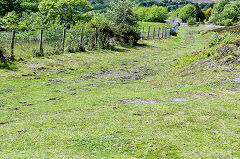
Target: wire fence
x=28, y=43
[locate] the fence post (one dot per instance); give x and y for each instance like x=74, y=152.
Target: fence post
x=142, y=32
x=148, y=32
x=12, y=45
x=162, y=31
x=41, y=40
x=96, y=37
x=153, y=32
x=81, y=38
x=158, y=32
x=63, y=39
x=165, y=32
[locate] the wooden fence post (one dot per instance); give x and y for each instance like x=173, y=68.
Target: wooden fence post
x=153, y=32
x=162, y=31
x=12, y=45
x=63, y=39
x=158, y=32
x=41, y=40
x=96, y=37
x=148, y=32
x=81, y=38
x=142, y=32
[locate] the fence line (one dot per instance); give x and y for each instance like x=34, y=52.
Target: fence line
x=23, y=43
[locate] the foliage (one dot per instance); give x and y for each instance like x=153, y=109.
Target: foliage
x=9, y=6
x=127, y=35
x=207, y=13
x=231, y=11
x=37, y=53
x=188, y=11
x=65, y=11
x=29, y=7
x=10, y=21
x=217, y=10
x=173, y=33
x=120, y=12
x=32, y=21
x=125, y=22
x=191, y=21
x=199, y=13
x=151, y=14
x=228, y=22
x=105, y=35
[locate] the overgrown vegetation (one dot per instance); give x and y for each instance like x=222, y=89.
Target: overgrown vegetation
x=226, y=13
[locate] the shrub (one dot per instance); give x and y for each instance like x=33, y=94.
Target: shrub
x=37, y=53
x=121, y=12
x=191, y=21
x=207, y=13
x=228, y=22
x=173, y=33
x=105, y=35
x=127, y=35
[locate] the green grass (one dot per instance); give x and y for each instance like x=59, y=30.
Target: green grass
x=77, y=105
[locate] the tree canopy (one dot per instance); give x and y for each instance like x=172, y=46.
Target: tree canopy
x=66, y=11
x=187, y=12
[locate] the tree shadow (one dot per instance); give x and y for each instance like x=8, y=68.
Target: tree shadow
x=8, y=66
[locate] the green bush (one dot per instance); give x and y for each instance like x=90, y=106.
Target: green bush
x=173, y=33
x=191, y=21
x=228, y=22
x=105, y=35
x=127, y=35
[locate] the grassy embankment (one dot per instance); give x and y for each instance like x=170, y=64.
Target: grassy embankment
x=129, y=103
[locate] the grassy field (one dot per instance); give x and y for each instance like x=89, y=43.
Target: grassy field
x=151, y=101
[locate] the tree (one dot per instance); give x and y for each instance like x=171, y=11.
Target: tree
x=157, y=14
x=120, y=12
x=66, y=11
x=231, y=11
x=8, y=6
x=188, y=11
x=217, y=9
x=199, y=13
x=151, y=14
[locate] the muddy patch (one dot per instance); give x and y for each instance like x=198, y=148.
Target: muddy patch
x=137, y=101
